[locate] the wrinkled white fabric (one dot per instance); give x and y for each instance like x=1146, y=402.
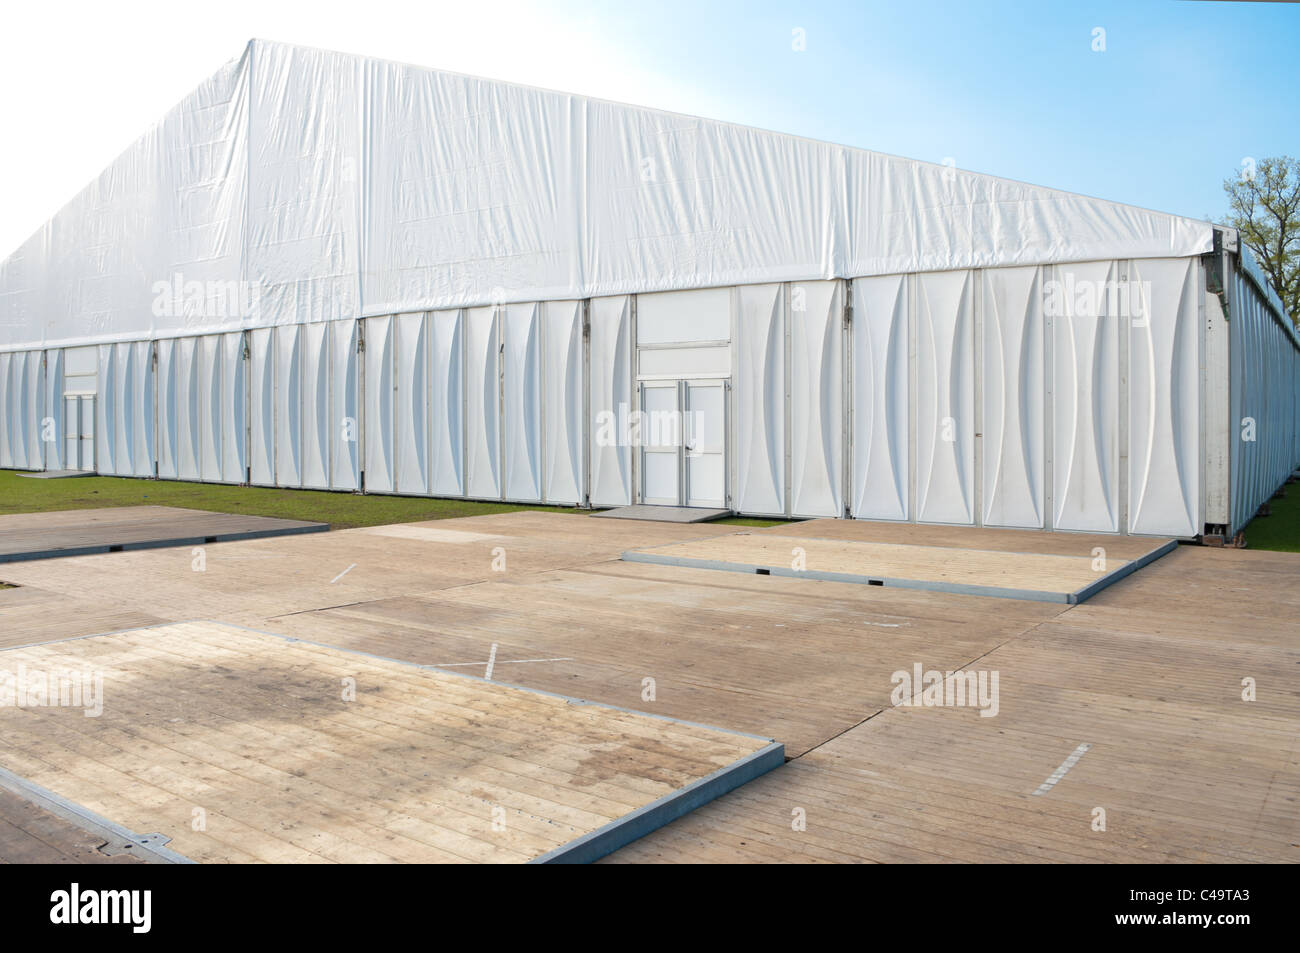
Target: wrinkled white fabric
x=337, y=186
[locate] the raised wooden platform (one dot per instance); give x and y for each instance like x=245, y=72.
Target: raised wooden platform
x=1071, y=575
x=284, y=750
x=118, y=529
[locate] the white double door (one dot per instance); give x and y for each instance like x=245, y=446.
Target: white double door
x=684, y=443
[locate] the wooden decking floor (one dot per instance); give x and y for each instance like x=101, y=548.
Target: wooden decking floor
x=1148, y=673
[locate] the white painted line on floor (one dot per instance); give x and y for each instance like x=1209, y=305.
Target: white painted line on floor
x=492, y=661
x=343, y=573
x=1066, y=765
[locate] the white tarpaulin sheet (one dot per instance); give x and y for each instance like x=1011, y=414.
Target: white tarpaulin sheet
x=298, y=185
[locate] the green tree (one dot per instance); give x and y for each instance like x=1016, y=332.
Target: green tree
x=1264, y=200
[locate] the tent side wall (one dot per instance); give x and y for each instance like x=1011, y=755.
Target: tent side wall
x=1264, y=392
x=1068, y=397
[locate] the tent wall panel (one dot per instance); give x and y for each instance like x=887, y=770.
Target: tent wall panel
x=20, y=437
x=315, y=361
x=1264, y=370
x=345, y=425
x=211, y=371
x=610, y=366
x=187, y=410
x=1085, y=399
x=232, y=400
x=22, y=385
x=816, y=398
x=446, y=403
x=53, y=433
x=410, y=404
x=288, y=406
x=563, y=476
x=378, y=422
x=1164, y=425
x=9, y=411
x=107, y=415
x=166, y=416
x=522, y=406
x=482, y=403
x=35, y=385
x=143, y=401
x=881, y=376
x=1014, y=435
x=124, y=410
x=120, y=427
x=945, y=397
x=758, y=414
x=261, y=407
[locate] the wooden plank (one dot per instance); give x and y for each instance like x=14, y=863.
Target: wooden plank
x=1148, y=672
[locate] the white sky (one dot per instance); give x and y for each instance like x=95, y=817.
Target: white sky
x=83, y=80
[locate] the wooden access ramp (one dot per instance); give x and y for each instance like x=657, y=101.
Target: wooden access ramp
x=209, y=742
x=1007, y=564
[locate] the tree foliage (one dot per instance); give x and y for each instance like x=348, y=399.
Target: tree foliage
x=1264, y=199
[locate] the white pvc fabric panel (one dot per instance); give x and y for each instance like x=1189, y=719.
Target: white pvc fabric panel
x=522, y=393
x=232, y=397
x=1013, y=398
x=759, y=349
x=816, y=398
x=1085, y=406
x=611, y=372
x=945, y=398
x=1164, y=388
x=24, y=408
x=124, y=410
x=269, y=185
x=483, y=403
x=1265, y=396
x=261, y=407
x=411, y=404
x=53, y=430
x=563, y=467
x=881, y=377
x=447, y=403
x=200, y=395
x=1063, y=397
x=317, y=408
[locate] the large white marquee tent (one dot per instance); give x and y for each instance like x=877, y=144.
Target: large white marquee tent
x=329, y=271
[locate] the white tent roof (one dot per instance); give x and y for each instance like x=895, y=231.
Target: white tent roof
x=337, y=185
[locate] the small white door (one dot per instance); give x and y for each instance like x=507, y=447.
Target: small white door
x=705, y=431
x=661, y=444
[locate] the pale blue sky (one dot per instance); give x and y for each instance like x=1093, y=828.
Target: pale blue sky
x=1183, y=91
